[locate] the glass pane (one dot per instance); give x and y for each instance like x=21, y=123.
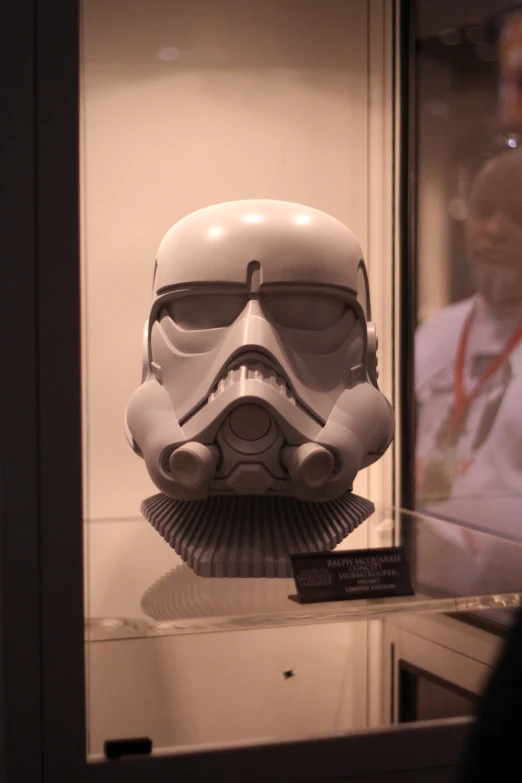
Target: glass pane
x=436, y=701
x=191, y=661
x=468, y=354
x=425, y=697
x=185, y=105
x=150, y=592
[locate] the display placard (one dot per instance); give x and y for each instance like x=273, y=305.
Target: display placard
x=358, y=573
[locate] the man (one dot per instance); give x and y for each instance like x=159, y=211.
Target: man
x=468, y=362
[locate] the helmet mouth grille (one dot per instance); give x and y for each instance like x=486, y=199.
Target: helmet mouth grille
x=249, y=369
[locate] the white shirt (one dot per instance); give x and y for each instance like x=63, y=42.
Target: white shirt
x=486, y=460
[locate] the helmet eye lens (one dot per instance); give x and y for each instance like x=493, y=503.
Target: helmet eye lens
x=304, y=311
x=206, y=311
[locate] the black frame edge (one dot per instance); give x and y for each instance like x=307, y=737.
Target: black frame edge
x=59, y=356
x=59, y=346
x=20, y=707
x=399, y=750
x=407, y=264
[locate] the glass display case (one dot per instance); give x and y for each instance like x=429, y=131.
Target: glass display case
x=465, y=302
x=467, y=268
x=117, y=659
x=169, y=652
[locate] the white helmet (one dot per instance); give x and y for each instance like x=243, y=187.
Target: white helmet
x=259, y=369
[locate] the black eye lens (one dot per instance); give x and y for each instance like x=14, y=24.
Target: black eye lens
x=206, y=311
x=301, y=311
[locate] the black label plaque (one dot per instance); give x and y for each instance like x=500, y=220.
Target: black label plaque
x=355, y=573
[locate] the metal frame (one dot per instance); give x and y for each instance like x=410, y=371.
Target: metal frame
x=42, y=719
x=414, y=25
x=448, y=650
x=395, y=754
x=19, y=486
x=380, y=245
x=59, y=384
x=407, y=687
x=407, y=219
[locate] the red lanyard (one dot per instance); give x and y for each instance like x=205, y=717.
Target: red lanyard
x=462, y=400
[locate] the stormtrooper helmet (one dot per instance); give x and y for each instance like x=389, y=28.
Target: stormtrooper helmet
x=259, y=357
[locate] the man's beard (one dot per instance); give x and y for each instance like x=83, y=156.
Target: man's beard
x=499, y=284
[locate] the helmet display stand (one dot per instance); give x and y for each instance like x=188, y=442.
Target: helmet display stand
x=259, y=401
x=252, y=535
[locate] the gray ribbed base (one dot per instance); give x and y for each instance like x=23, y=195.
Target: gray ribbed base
x=252, y=536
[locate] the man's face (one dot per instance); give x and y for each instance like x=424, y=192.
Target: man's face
x=493, y=236
x=494, y=246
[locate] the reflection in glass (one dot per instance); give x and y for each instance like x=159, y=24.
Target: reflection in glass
x=468, y=353
x=147, y=591
x=181, y=594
